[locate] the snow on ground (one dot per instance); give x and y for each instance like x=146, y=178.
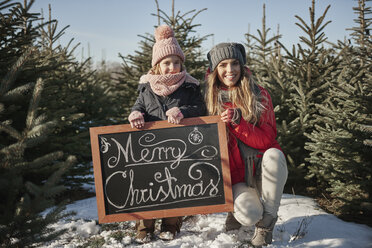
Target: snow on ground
x=301, y=223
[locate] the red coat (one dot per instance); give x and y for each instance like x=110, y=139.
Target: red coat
x=261, y=136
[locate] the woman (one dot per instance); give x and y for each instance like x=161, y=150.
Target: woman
x=257, y=165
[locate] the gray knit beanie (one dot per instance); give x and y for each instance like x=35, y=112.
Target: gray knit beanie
x=224, y=51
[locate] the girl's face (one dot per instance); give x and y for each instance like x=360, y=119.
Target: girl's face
x=170, y=65
x=228, y=72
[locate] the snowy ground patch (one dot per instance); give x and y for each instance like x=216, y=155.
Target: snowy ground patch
x=301, y=223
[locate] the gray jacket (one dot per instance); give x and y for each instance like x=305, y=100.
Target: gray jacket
x=187, y=98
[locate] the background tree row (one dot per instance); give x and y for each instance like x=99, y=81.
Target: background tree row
x=48, y=100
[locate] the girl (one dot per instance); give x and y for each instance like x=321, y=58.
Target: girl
x=166, y=92
x=257, y=165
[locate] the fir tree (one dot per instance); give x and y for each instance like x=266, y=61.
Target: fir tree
x=22, y=223
x=261, y=51
x=268, y=66
x=307, y=72
x=74, y=96
x=340, y=145
x=30, y=176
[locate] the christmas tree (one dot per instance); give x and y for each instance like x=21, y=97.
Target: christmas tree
x=340, y=145
x=270, y=69
x=29, y=179
x=47, y=103
x=75, y=96
x=307, y=72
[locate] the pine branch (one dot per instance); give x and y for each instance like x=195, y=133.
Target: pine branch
x=17, y=92
x=40, y=119
x=10, y=77
x=12, y=152
x=32, y=110
x=12, y=132
x=39, y=133
x=64, y=166
x=362, y=33
x=4, y=4
x=41, y=161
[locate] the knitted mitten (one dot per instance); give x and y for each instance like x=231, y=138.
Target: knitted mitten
x=136, y=119
x=174, y=115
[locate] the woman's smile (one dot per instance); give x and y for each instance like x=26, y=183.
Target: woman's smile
x=229, y=72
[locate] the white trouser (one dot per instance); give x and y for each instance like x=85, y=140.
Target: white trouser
x=250, y=204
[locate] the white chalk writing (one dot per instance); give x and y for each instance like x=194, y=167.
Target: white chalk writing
x=166, y=185
x=150, y=152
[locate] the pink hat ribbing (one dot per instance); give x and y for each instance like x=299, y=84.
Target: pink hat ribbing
x=165, y=45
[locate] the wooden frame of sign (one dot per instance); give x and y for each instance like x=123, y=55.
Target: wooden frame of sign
x=163, y=170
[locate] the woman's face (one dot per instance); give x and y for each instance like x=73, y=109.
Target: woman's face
x=170, y=65
x=228, y=71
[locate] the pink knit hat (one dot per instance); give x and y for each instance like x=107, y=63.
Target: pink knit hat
x=165, y=45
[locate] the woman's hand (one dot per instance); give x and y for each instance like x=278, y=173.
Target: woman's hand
x=231, y=115
x=136, y=119
x=174, y=115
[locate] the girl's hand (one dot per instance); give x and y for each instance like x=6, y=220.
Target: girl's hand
x=174, y=115
x=136, y=119
x=231, y=116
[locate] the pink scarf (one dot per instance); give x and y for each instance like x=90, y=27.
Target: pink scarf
x=164, y=85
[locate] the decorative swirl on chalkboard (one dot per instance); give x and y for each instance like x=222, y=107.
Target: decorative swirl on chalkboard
x=207, y=151
x=104, y=145
x=148, y=137
x=196, y=174
x=157, y=176
x=112, y=161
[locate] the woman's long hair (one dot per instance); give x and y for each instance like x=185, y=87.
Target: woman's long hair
x=242, y=95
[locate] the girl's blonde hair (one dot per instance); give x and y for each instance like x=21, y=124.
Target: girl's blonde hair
x=244, y=95
x=155, y=70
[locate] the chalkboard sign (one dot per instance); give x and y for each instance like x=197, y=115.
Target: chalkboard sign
x=162, y=170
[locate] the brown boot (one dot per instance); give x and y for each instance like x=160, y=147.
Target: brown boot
x=170, y=227
x=231, y=223
x=263, y=233
x=145, y=231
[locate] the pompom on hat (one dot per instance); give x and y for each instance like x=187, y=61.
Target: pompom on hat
x=165, y=45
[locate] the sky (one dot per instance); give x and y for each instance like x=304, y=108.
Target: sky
x=106, y=28
x=301, y=224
